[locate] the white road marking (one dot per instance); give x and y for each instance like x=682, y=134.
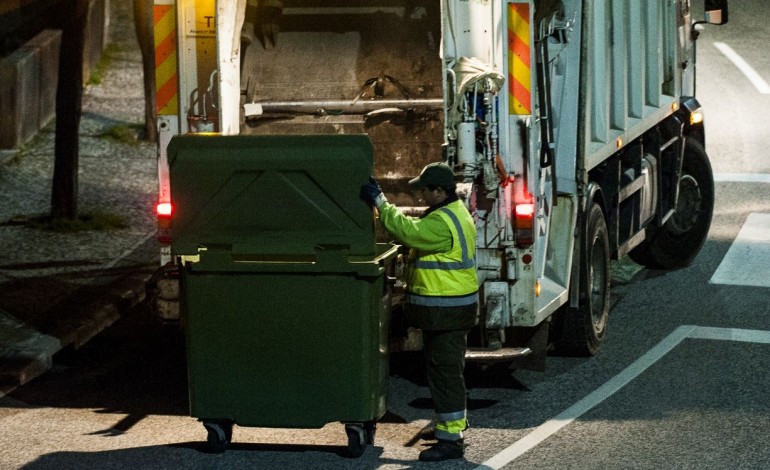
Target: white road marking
x=744, y=67
x=550, y=427
x=731, y=334
x=746, y=262
x=742, y=177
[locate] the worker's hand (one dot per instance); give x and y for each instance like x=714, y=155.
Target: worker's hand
x=372, y=193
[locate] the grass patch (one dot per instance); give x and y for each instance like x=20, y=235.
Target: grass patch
x=97, y=221
x=126, y=133
x=23, y=150
x=15, y=158
x=96, y=75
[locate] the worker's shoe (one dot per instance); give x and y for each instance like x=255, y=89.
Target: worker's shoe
x=443, y=450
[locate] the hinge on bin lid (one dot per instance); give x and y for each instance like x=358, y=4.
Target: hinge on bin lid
x=189, y=259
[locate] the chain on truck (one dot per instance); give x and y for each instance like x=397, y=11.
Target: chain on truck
x=573, y=127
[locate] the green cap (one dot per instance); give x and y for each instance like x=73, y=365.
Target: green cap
x=435, y=174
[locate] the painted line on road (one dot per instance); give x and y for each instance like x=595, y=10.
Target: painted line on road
x=742, y=177
x=550, y=427
x=731, y=334
x=744, y=67
x=745, y=263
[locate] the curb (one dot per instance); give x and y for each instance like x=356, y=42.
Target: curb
x=35, y=357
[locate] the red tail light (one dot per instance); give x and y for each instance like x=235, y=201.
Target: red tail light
x=523, y=214
x=164, y=211
x=524, y=224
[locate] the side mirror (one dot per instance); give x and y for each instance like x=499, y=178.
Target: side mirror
x=716, y=11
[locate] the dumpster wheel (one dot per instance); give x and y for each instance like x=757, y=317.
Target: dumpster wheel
x=220, y=434
x=359, y=436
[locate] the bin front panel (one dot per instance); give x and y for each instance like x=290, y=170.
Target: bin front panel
x=271, y=195
x=286, y=350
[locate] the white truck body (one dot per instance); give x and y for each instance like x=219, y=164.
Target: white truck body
x=573, y=127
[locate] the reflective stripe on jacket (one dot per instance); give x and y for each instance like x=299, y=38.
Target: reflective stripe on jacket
x=449, y=278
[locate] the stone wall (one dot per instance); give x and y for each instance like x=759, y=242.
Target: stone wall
x=29, y=76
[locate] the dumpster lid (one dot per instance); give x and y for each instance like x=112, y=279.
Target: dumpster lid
x=271, y=195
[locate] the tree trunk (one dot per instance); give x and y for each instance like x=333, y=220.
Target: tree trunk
x=143, y=24
x=69, y=103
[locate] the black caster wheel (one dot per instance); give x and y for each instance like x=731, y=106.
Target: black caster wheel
x=370, y=429
x=356, y=440
x=220, y=434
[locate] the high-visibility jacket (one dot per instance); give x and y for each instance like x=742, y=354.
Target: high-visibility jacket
x=442, y=260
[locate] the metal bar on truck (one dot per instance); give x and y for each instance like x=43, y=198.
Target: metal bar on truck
x=347, y=107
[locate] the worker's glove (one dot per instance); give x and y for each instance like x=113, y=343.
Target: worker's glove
x=372, y=193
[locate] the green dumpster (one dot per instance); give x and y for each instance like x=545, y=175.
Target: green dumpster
x=284, y=290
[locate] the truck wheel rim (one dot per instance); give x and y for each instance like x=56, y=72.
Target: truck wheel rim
x=687, y=207
x=597, y=286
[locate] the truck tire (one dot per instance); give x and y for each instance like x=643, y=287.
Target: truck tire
x=580, y=331
x=680, y=239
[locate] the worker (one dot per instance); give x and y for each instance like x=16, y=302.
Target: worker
x=442, y=293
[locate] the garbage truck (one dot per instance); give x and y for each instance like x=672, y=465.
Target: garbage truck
x=573, y=127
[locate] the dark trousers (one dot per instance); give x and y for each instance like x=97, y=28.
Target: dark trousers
x=445, y=363
x=444, y=333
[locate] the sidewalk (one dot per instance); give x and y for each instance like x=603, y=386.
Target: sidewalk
x=60, y=289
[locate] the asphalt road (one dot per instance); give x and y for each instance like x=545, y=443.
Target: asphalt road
x=680, y=382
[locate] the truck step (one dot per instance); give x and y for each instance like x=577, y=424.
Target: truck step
x=495, y=355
